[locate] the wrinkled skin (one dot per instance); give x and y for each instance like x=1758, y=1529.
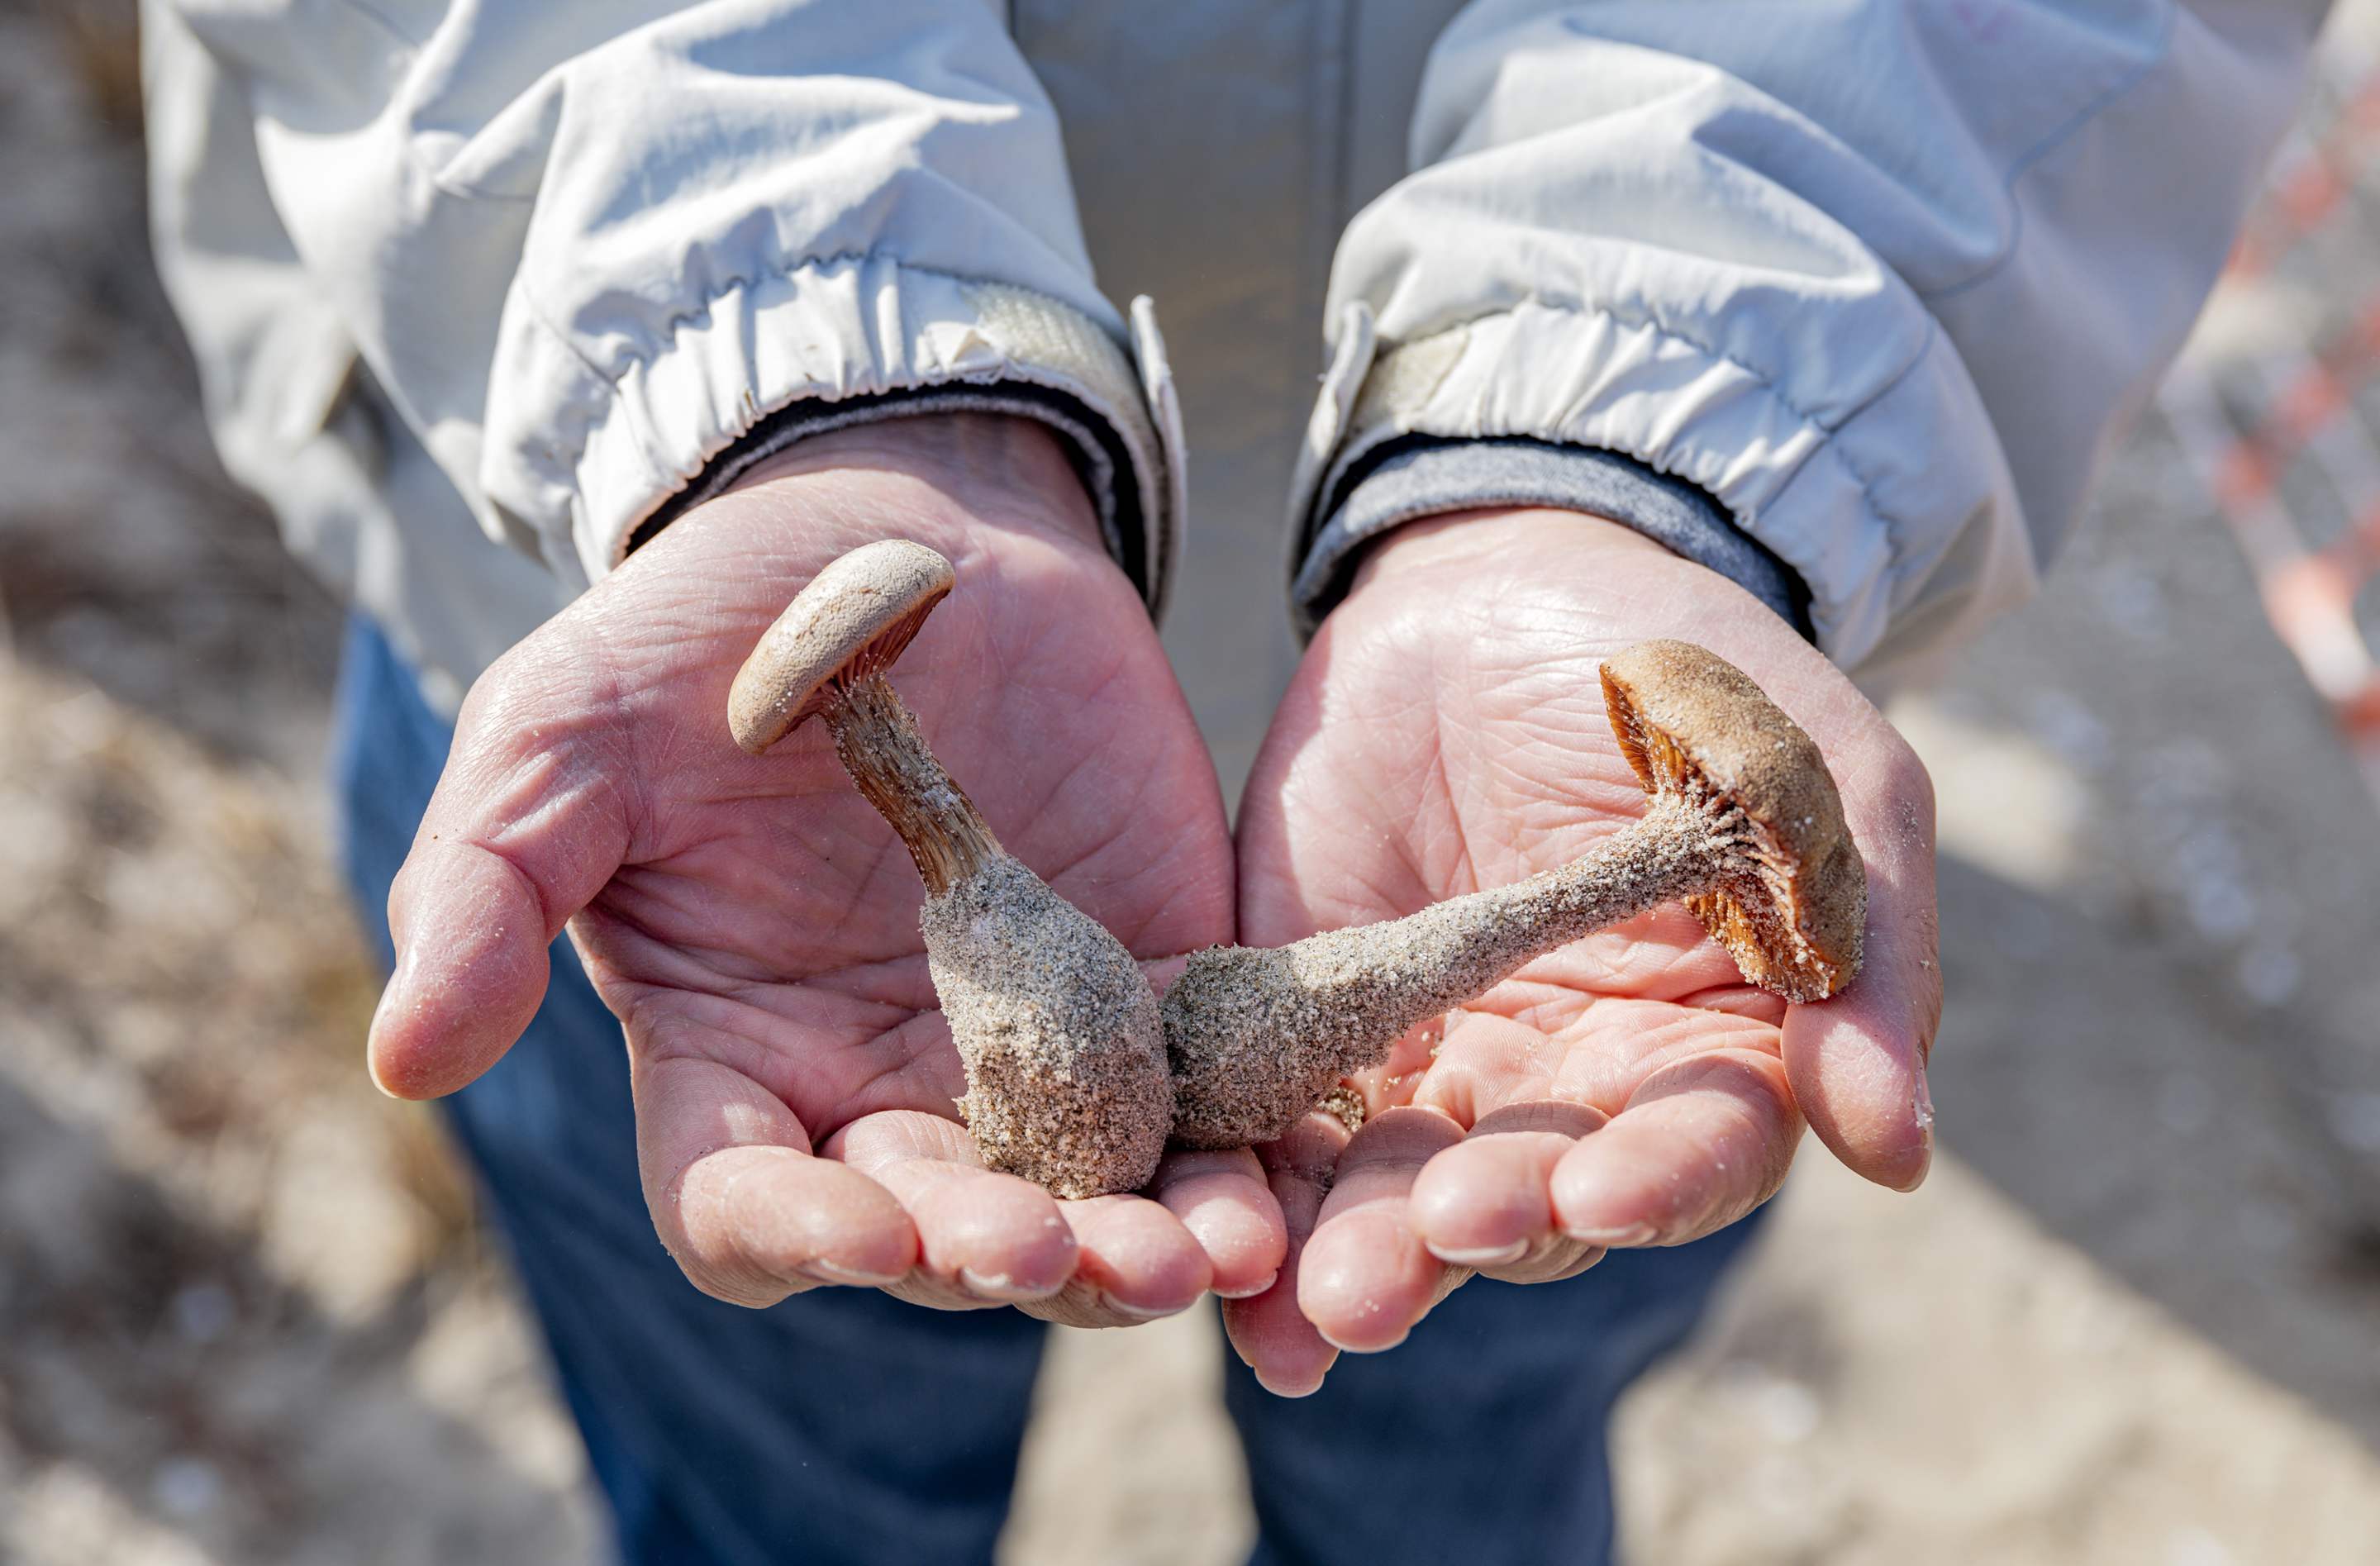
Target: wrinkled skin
x=1445, y=732
x=754, y=923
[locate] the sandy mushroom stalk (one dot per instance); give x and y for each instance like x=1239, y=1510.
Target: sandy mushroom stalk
x=1066, y=1073
x=1743, y=823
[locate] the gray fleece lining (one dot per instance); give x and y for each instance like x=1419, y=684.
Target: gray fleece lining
x=1428, y=476
x=797, y=422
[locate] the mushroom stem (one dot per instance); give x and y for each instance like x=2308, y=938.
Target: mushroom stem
x=876, y=738
x=1057, y=1030
x=1745, y=823
x=1457, y=950
x=1334, y=1002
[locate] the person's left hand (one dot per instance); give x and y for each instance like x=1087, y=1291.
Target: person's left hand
x=1446, y=733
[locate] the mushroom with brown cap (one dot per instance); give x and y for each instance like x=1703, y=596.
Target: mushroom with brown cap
x=1743, y=823
x=1067, y=1082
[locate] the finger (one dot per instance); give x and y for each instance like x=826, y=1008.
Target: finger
x=1698, y=1146
x=1857, y=1061
x=1365, y=1277
x=1485, y=1203
x=521, y=833
x=1267, y=1331
x=737, y=1199
x=983, y=1238
x=1134, y=1263
x=1223, y=1200
x=1485, y=1061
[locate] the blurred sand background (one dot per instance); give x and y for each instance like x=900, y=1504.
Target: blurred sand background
x=246, y=1316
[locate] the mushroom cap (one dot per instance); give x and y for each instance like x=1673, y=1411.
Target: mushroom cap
x=853, y=619
x=1692, y=724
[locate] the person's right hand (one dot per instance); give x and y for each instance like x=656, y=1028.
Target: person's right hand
x=753, y=922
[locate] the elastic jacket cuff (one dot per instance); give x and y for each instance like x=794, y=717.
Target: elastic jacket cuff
x=1838, y=499
x=848, y=341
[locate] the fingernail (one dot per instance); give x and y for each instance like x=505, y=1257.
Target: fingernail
x=371, y=1069
x=1623, y=1238
x=1281, y=1391
x=1491, y=1255
x=1924, y=1115
x=848, y=1277
x=1000, y=1286
x=1140, y=1313
x=1251, y=1293
x=1350, y=1348
x=372, y=1066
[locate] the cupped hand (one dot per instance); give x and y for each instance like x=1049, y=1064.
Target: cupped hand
x=754, y=923
x=1446, y=733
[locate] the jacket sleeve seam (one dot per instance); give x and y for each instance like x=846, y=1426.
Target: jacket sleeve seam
x=2057, y=139
x=380, y=20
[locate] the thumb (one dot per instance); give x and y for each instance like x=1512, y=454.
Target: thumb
x=1857, y=1061
x=528, y=824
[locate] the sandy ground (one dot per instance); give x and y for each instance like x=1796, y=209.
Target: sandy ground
x=245, y=1316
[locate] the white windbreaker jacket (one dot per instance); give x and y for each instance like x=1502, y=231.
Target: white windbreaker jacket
x=1877, y=277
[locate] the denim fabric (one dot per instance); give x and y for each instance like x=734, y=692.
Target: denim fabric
x=842, y=1427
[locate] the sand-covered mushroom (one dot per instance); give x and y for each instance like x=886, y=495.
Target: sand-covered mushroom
x=1744, y=822
x=1067, y=1082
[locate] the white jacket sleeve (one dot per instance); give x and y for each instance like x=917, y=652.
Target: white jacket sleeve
x=1879, y=277
x=584, y=249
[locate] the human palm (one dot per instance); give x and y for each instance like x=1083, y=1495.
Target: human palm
x=1446, y=733
x=754, y=923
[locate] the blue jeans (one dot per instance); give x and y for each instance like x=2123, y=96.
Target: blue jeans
x=842, y=1427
